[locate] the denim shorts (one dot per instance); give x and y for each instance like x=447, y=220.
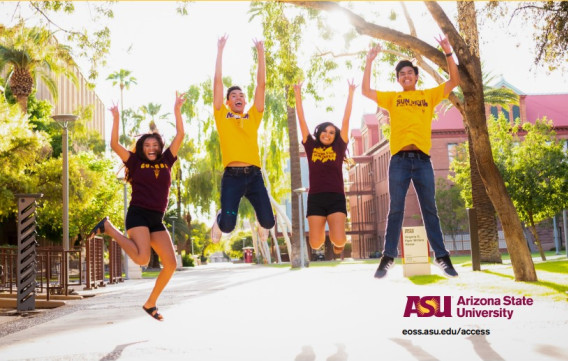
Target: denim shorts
x=324, y=204
x=142, y=217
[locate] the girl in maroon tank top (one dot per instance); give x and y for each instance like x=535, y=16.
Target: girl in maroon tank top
x=325, y=152
x=148, y=170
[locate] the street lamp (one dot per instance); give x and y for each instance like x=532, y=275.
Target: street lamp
x=63, y=120
x=300, y=192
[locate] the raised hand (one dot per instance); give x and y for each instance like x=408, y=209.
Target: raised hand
x=444, y=43
x=180, y=100
x=352, y=85
x=114, y=110
x=372, y=54
x=298, y=86
x=221, y=42
x=259, y=45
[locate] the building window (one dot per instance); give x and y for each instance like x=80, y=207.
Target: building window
x=516, y=112
x=452, y=151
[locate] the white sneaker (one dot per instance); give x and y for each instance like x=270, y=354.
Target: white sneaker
x=216, y=233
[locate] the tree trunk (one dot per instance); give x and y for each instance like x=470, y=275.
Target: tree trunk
x=296, y=182
x=532, y=228
x=487, y=223
x=485, y=213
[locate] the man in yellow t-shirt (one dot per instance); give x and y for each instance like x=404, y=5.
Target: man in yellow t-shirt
x=411, y=113
x=238, y=135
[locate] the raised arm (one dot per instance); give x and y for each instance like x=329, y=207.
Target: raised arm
x=260, y=77
x=218, y=80
x=176, y=142
x=122, y=152
x=366, y=83
x=300, y=110
x=347, y=113
x=454, y=80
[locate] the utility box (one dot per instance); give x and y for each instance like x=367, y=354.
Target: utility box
x=415, y=251
x=247, y=254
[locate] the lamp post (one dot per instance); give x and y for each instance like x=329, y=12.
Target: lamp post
x=63, y=120
x=300, y=192
x=121, y=177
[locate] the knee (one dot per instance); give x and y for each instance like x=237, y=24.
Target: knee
x=169, y=265
x=316, y=243
x=142, y=259
x=267, y=222
x=227, y=223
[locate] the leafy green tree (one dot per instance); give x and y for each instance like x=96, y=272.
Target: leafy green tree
x=451, y=208
x=124, y=80
x=33, y=53
x=536, y=175
x=21, y=149
x=534, y=167
x=93, y=190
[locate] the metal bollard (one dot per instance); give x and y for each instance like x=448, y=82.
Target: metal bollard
x=26, y=260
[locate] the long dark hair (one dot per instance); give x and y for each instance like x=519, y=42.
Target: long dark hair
x=139, y=151
x=320, y=128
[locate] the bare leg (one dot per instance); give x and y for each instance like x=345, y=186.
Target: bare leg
x=336, y=222
x=162, y=244
x=136, y=246
x=317, y=231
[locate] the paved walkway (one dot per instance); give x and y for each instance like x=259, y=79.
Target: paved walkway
x=243, y=312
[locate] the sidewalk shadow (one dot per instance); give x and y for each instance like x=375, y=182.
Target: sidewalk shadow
x=340, y=355
x=414, y=350
x=117, y=352
x=307, y=354
x=483, y=348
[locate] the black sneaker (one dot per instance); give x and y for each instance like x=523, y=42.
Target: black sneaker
x=446, y=266
x=386, y=263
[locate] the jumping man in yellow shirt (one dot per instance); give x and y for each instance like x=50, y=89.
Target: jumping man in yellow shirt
x=411, y=114
x=238, y=135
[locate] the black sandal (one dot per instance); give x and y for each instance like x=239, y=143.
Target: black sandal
x=99, y=228
x=151, y=310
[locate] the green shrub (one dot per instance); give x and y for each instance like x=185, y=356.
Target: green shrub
x=187, y=260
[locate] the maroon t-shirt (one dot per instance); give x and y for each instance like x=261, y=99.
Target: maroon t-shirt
x=325, y=165
x=150, y=181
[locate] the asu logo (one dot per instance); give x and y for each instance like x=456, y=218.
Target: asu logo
x=428, y=306
x=323, y=155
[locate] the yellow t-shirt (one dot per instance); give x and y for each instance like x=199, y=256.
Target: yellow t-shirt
x=238, y=135
x=411, y=115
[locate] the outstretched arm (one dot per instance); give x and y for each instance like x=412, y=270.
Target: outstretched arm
x=122, y=152
x=347, y=114
x=300, y=110
x=452, y=67
x=176, y=143
x=218, y=80
x=260, y=77
x=366, y=83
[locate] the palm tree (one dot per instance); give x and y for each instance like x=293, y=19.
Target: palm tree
x=31, y=54
x=123, y=78
x=152, y=110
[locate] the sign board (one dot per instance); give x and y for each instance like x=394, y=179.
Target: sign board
x=415, y=251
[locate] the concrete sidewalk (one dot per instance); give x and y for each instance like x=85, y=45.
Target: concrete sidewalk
x=243, y=312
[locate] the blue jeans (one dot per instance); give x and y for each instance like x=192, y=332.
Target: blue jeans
x=404, y=167
x=236, y=183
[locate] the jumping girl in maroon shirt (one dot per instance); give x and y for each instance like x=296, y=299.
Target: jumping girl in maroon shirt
x=326, y=196
x=148, y=170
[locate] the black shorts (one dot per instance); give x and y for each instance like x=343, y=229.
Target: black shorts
x=324, y=204
x=142, y=217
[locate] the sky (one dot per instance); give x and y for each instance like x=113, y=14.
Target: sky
x=167, y=52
